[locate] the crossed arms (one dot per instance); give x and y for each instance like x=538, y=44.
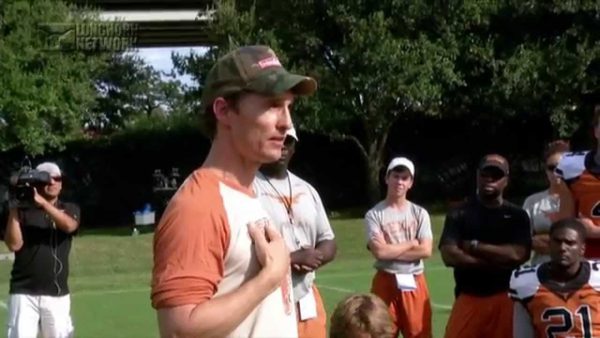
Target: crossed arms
x=457, y=252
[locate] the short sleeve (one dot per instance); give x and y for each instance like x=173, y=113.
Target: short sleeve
x=372, y=225
x=424, y=225
x=324, y=231
x=451, y=232
x=528, y=206
x=522, y=228
x=190, y=244
x=3, y=219
x=73, y=210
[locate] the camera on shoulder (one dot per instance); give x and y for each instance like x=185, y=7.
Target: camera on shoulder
x=22, y=184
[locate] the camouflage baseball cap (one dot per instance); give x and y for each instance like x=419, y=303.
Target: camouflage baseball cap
x=255, y=69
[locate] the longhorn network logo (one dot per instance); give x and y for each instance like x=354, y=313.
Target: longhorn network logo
x=89, y=36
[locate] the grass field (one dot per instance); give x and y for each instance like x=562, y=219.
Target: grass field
x=110, y=274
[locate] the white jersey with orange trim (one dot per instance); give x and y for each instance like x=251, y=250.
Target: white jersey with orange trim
x=582, y=174
x=202, y=249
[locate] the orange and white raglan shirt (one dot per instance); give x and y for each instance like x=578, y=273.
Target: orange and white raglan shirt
x=202, y=249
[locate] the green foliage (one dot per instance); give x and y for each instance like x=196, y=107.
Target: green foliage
x=535, y=59
x=379, y=62
x=43, y=93
x=130, y=90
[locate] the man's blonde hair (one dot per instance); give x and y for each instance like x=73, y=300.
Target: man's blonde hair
x=364, y=314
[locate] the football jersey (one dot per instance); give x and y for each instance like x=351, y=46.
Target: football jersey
x=582, y=175
x=559, y=311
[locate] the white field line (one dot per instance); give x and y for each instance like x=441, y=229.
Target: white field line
x=3, y=305
x=120, y=291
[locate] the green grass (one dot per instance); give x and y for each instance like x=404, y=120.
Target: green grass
x=110, y=276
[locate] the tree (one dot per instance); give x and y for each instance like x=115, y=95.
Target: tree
x=379, y=62
x=43, y=93
x=531, y=59
x=130, y=89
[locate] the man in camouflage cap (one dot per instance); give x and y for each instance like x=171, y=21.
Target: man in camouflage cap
x=221, y=269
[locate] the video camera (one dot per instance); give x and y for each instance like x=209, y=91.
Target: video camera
x=22, y=184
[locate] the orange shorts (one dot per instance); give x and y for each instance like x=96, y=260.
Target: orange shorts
x=481, y=316
x=410, y=310
x=314, y=327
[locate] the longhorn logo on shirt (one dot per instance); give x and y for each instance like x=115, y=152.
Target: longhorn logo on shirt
x=286, y=200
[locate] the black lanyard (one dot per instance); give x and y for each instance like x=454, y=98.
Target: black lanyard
x=287, y=203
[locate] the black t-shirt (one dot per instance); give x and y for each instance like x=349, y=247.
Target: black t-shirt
x=41, y=266
x=507, y=224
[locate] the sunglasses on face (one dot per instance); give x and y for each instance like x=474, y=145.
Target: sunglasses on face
x=57, y=179
x=494, y=175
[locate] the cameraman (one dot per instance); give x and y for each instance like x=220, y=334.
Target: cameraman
x=40, y=235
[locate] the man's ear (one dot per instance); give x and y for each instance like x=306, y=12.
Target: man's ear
x=221, y=109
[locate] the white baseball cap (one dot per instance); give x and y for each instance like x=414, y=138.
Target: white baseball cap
x=51, y=168
x=401, y=161
x=292, y=132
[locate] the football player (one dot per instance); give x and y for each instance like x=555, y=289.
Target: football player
x=581, y=172
x=559, y=298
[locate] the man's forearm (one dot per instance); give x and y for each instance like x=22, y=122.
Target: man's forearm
x=506, y=255
x=13, y=237
x=208, y=319
x=420, y=251
x=61, y=219
x=328, y=249
x=390, y=251
x=454, y=256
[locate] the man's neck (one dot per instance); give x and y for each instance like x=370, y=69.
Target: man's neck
x=396, y=202
x=560, y=274
x=278, y=172
x=229, y=165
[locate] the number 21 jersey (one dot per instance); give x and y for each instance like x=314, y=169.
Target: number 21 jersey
x=559, y=310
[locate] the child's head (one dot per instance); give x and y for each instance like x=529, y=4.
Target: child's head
x=361, y=316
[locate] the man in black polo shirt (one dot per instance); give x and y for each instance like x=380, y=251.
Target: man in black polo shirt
x=41, y=237
x=484, y=240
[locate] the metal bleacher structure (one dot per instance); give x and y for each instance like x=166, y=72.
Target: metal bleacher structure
x=160, y=23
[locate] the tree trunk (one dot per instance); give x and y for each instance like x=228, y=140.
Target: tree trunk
x=372, y=179
x=372, y=156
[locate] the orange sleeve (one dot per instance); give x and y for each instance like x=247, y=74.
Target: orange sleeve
x=190, y=244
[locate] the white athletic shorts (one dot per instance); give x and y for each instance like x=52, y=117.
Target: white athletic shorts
x=29, y=315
